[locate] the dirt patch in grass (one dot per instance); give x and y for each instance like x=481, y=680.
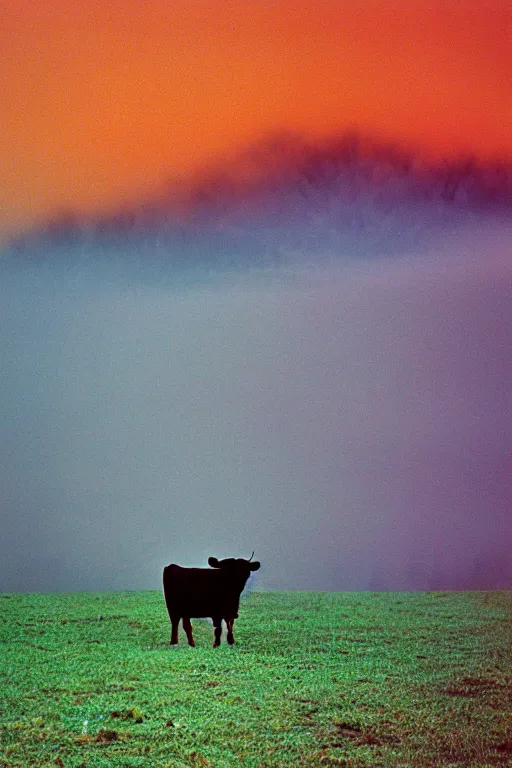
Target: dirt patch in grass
x=505, y=748
x=104, y=736
x=129, y=714
x=360, y=736
x=471, y=687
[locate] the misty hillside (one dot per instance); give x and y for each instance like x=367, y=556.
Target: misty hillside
x=283, y=198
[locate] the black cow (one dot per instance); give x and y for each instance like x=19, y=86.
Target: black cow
x=202, y=592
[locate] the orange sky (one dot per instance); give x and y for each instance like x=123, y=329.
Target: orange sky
x=102, y=101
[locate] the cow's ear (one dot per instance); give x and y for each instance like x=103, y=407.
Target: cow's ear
x=254, y=566
x=213, y=562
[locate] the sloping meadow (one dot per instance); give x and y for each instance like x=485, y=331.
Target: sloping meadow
x=315, y=679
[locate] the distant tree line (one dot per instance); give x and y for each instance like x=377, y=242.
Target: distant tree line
x=284, y=171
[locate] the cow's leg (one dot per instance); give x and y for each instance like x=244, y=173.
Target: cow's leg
x=187, y=626
x=175, y=621
x=229, y=623
x=217, y=623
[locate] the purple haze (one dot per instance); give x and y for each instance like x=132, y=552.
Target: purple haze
x=347, y=418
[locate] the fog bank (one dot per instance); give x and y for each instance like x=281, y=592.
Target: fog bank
x=349, y=422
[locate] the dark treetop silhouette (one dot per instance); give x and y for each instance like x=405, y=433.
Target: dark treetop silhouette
x=202, y=592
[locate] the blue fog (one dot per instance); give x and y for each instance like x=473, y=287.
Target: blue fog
x=347, y=417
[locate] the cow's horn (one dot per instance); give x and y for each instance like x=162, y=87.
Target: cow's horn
x=251, y=556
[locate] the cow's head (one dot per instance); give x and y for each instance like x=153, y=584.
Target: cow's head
x=238, y=568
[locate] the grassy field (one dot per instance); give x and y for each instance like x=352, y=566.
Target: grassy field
x=315, y=679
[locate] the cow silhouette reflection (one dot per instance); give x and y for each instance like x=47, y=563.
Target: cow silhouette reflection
x=206, y=592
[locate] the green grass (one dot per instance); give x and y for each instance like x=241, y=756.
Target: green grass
x=315, y=679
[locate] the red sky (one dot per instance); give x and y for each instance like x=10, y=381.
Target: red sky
x=102, y=101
